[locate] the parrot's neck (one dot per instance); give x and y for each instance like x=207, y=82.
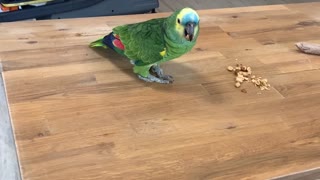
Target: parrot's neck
x=175, y=49
x=175, y=44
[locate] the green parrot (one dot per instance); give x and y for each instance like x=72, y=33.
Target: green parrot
x=150, y=43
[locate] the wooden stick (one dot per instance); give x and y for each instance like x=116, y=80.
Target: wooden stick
x=309, y=48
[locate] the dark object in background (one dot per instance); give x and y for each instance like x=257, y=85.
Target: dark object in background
x=60, y=9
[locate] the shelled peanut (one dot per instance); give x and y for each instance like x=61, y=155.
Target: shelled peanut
x=244, y=73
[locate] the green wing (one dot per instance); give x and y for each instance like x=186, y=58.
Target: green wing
x=143, y=41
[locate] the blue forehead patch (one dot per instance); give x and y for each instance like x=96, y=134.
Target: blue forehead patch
x=190, y=17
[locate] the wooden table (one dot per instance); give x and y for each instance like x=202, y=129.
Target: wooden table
x=80, y=113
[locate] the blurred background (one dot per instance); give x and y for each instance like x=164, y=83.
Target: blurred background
x=15, y=10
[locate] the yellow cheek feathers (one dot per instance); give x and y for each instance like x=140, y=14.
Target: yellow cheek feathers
x=196, y=29
x=180, y=29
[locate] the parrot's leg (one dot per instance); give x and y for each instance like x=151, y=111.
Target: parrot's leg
x=151, y=78
x=144, y=74
x=159, y=72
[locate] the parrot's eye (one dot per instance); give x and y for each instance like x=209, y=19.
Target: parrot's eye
x=178, y=20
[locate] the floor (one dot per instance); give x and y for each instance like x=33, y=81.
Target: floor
x=8, y=159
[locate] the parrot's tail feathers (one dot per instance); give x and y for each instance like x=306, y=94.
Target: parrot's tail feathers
x=98, y=43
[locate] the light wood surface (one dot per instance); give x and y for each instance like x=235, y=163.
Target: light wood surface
x=82, y=114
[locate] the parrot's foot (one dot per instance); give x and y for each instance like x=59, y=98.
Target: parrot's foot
x=159, y=72
x=151, y=78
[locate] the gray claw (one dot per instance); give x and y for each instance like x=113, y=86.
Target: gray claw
x=159, y=72
x=151, y=78
x=168, y=77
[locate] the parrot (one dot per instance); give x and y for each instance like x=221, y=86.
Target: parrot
x=150, y=43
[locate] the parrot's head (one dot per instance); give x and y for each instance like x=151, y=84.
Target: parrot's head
x=186, y=23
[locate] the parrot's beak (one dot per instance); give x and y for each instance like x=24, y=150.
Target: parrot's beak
x=189, y=30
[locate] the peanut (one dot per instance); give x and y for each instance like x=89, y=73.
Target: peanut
x=239, y=79
x=230, y=68
x=244, y=73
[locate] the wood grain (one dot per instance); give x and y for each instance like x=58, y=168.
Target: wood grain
x=80, y=113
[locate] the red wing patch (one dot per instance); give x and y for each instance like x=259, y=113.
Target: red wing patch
x=117, y=42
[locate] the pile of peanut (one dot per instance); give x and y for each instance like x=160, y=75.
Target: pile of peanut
x=244, y=73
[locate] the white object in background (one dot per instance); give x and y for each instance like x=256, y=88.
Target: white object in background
x=38, y=4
